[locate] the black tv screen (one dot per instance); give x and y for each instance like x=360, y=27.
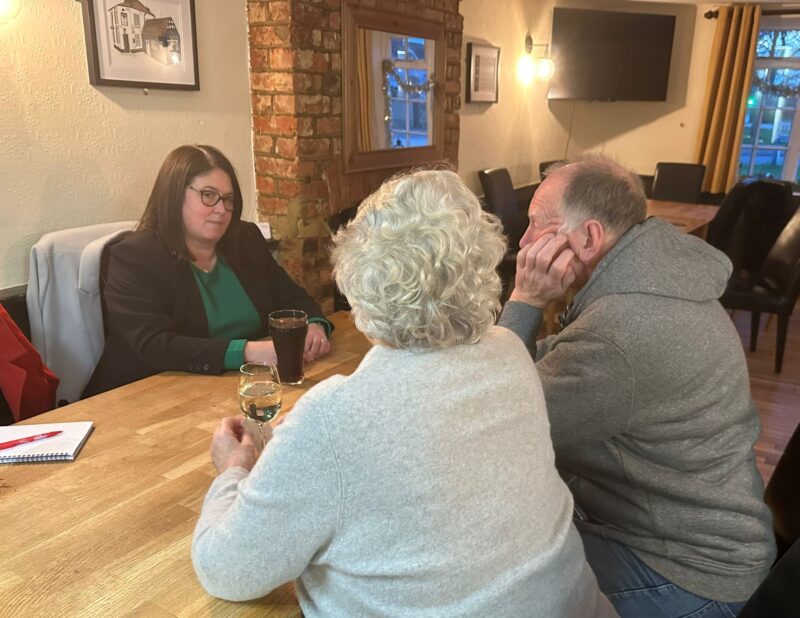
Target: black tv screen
x=610, y=56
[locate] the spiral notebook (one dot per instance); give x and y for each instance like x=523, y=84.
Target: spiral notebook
x=63, y=447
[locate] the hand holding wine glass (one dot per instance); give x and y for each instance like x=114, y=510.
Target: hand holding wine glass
x=260, y=394
x=232, y=445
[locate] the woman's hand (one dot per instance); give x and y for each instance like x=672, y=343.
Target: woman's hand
x=261, y=351
x=232, y=446
x=317, y=344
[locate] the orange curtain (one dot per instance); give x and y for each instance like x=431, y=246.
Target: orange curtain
x=365, y=89
x=729, y=73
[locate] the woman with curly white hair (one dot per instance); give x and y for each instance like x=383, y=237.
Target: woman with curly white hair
x=424, y=483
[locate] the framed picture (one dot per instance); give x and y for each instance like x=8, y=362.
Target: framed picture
x=141, y=43
x=483, y=69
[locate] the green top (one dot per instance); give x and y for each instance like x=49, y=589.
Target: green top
x=229, y=310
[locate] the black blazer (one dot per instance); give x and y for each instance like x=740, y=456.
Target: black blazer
x=156, y=319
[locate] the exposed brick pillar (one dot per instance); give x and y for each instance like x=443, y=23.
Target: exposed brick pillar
x=296, y=86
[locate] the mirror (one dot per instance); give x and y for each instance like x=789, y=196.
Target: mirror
x=395, y=84
x=393, y=66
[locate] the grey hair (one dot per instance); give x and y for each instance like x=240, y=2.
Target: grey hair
x=597, y=187
x=418, y=263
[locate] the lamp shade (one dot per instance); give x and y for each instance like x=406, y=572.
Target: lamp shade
x=545, y=68
x=526, y=69
x=8, y=10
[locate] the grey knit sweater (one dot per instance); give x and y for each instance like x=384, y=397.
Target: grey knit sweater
x=421, y=485
x=650, y=410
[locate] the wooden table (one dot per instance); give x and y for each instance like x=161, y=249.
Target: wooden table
x=690, y=218
x=110, y=533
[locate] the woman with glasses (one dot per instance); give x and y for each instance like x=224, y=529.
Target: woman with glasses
x=191, y=287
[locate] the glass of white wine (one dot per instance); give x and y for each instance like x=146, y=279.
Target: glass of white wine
x=259, y=394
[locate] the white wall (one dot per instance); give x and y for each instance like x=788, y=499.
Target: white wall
x=524, y=128
x=72, y=154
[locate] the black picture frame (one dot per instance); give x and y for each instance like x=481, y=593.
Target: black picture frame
x=155, y=47
x=483, y=73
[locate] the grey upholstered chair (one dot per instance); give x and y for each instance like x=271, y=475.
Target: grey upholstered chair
x=63, y=299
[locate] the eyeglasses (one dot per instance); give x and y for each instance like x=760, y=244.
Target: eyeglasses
x=211, y=198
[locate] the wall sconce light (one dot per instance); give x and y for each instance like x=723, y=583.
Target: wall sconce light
x=8, y=10
x=530, y=68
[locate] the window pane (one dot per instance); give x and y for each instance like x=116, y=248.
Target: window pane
x=750, y=118
x=399, y=140
x=776, y=126
x=744, y=162
x=418, y=139
x=787, y=43
x=416, y=48
x=764, y=45
x=402, y=75
x=418, y=77
x=399, y=115
x=768, y=163
x=394, y=87
x=419, y=117
x=787, y=78
x=398, y=47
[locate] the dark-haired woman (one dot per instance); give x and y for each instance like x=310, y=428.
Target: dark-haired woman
x=191, y=288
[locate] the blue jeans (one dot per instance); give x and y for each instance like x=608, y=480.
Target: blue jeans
x=636, y=591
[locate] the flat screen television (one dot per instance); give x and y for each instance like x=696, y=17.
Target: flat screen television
x=610, y=56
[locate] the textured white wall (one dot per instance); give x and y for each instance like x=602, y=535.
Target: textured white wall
x=525, y=128
x=72, y=154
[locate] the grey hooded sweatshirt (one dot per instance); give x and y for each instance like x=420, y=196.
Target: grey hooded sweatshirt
x=651, y=416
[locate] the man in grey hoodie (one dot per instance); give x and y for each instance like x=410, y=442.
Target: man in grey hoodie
x=647, y=394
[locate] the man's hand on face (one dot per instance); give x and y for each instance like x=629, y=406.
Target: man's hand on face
x=545, y=269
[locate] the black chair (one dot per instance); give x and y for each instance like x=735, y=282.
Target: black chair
x=721, y=229
x=544, y=166
x=764, y=219
x=773, y=289
x=749, y=221
x=678, y=182
x=782, y=496
x=500, y=199
x=778, y=596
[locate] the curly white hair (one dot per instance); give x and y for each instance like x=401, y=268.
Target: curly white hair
x=418, y=263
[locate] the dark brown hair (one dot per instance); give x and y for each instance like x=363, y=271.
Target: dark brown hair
x=164, y=212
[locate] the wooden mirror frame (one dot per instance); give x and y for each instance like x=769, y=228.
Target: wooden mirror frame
x=353, y=18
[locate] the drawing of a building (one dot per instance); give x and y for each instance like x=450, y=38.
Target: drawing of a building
x=127, y=21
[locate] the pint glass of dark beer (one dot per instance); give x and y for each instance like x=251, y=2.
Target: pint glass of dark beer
x=288, y=328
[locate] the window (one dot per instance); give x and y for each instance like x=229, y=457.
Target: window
x=771, y=137
x=136, y=20
x=410, y=110
x=124, y=18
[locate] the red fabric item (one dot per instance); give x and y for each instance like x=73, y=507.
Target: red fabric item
x=28, y=386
